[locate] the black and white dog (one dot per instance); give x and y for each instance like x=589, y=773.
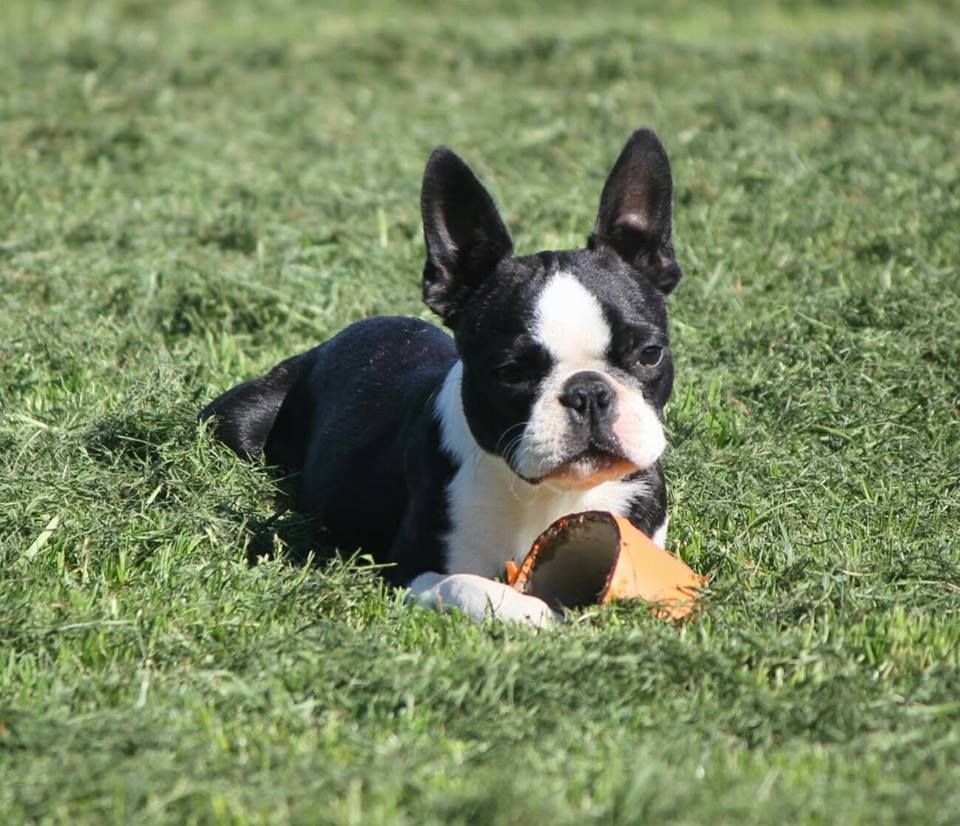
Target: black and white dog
x=448, y=456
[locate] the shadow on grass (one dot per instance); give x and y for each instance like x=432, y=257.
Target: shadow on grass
x=297, y=537
x=145, y=453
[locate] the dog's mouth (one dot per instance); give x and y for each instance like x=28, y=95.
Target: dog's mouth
x=587, y=469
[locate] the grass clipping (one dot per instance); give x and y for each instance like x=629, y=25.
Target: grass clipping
x=596, y=557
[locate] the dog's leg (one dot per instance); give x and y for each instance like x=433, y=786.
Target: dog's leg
x=244, y=416
x=479, y=598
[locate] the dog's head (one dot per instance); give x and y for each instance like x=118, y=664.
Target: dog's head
x=566, y=357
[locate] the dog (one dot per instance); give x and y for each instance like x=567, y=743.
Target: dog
x=447, y=456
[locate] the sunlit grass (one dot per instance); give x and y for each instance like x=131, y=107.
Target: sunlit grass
x=191, y=191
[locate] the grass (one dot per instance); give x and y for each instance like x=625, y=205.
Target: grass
x=190, y=191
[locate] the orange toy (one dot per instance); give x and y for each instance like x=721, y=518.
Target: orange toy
x=595, y=557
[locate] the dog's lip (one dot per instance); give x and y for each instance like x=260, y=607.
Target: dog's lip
x=596, y=454
x=587, y=465
x=597, y=460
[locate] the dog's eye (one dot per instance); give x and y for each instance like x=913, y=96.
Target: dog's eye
x=649, y=356
x=513, y=372
x=528, y=365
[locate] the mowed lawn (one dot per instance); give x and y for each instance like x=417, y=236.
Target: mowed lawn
x=191, y=191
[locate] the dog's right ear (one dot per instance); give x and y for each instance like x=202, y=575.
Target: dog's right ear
x=464, y=234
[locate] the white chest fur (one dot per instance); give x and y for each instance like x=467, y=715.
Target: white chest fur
x=495, y=514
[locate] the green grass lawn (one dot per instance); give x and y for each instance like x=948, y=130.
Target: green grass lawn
x=190, y=191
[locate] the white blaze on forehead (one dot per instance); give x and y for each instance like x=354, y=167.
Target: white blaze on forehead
x=569, y=321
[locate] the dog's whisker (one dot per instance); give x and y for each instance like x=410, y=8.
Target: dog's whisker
x=520, y=425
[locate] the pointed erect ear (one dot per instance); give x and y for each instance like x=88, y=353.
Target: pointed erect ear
x=465, y=236
x=634, y=217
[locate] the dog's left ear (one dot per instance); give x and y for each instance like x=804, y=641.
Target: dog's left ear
x=463, y=231
x=634, y=219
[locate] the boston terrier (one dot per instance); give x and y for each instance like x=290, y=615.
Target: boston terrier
x=446, y=457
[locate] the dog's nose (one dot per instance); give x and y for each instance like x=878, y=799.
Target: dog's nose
x=588, y=395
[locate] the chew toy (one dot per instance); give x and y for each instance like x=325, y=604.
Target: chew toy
x=596, y=557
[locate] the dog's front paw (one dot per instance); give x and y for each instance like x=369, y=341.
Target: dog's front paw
x=479, y=598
